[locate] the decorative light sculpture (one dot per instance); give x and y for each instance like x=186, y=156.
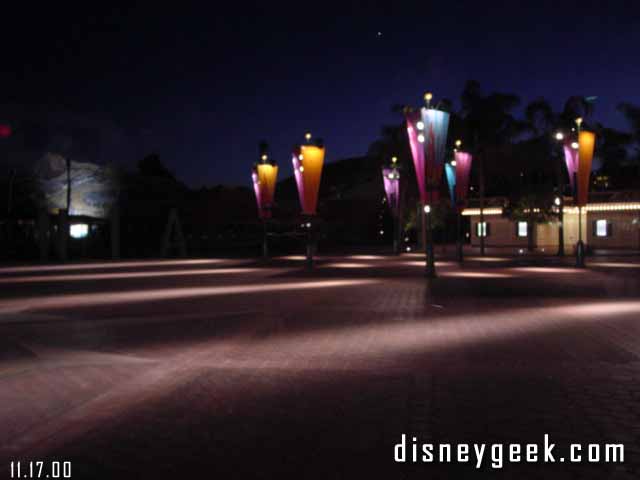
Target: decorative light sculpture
x=586, y=144
x=391, y=180
x=264, y=177
x=308, y=160
x=463, y=171
x=415, y=131
x=258, y=191
x=450, y=173
x=427, y=131
x=571, y=161
x=297, y=172
x=436, y=124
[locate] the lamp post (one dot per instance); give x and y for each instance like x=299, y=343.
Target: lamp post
x=308, y=160
x=264, y=176
x=391, y=180
x=559, y=201
x=586, y=144
x=427, y=131
x=580, y=244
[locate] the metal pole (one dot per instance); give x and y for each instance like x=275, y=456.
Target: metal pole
x=395, y=234
x=460, y=254
x=561, y=227
x=309, y=245
x=482, y=228
x=580, y=244
x=560, y=206
x=265, y=247
x=431, y=267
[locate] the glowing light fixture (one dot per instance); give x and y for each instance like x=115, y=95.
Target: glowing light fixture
x=264, y=179
x=559, y=136
x=428, y=148
x=436, y=126
x=391, y=180
x=267, y=175
x=463, y=171
x=450, y=173
x=307, y=165
x=587, y=142
x=476, y=211
x=571, y=161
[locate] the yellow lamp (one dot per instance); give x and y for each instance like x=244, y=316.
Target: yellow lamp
x=267, y=175
x=313, y=162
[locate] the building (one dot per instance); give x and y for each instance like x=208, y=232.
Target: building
x=609, y=222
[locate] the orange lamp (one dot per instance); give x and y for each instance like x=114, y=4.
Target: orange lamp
x=586, y=144
x=312, y=162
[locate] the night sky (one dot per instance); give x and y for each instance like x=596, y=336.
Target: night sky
x=201, y=84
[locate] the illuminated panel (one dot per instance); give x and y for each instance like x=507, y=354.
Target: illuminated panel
x=436, y=124
x=311, y=170
x=601, y=228
x=571, y=160
x=417, y=149
x=486, y=211
x=522, y=229
x=463, y=173
x=267, y=175
x=450, y=172
x=391, y=180
x=586, y=142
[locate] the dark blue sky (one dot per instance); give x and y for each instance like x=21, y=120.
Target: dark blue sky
x=201, y=84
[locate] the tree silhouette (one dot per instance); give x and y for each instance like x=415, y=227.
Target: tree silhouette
x=152, y=166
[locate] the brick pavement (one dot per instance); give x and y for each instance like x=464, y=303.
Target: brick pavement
x=320, y=382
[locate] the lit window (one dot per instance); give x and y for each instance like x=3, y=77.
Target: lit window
x=522, y=229
x=78, y=230
x=601, y=228
x=481, y=229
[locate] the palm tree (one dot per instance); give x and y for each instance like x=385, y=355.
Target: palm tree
x=632, y=114
x=543, y=122
x=489, y=122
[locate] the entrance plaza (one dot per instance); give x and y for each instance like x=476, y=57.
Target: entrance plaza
x=245, y=369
